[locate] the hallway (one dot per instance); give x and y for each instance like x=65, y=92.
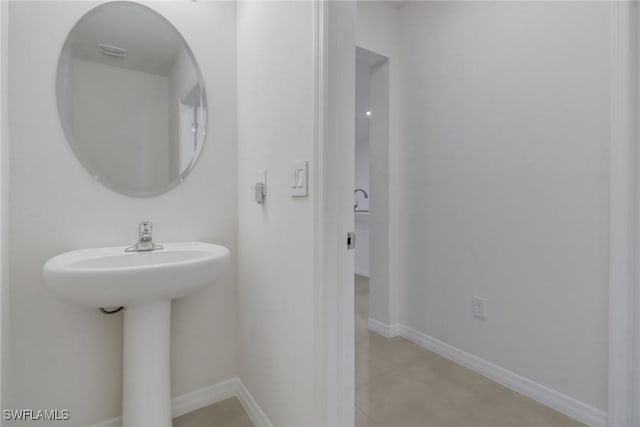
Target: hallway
x=399, y=383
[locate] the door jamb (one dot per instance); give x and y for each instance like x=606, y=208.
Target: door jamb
x=333, y=264
x=623, y=227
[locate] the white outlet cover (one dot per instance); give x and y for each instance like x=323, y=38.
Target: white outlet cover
x=479, y=307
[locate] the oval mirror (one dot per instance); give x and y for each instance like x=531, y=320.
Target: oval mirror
x=131, y=99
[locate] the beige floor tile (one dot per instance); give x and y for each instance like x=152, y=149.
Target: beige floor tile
x=228, y=413
x=510, y=409
x=397, y=350
x=544, y=416
x=369, y=366
x=435, y=370
x=361, y=311
x=400, y=384
x=397, y=400
x=363, y=420
x=362, y=303
x=361, y=285
x=362, y=306
x=361, y=324
x=362, y=335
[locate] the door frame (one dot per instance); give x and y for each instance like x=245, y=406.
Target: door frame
x=334, y=53
x=624, y=237
x=335, y=35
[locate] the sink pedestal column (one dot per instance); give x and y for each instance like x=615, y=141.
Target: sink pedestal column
x=146, y=391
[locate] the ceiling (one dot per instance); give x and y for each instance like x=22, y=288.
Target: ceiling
x=152, y=44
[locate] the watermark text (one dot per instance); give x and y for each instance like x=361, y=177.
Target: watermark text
x=36, y=414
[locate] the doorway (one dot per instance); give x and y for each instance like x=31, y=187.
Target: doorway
x=371, y=193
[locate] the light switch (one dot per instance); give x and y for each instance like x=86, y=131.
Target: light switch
x=260, y=187
x=299, y=178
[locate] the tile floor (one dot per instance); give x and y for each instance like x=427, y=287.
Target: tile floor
x=400, y=384
x=228, y=413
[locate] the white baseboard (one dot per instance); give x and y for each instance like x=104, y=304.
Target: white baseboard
x=379, y=328
x=254, y=410
x=195, y=400
x=574, y=408
x=206, y=396
x=361, y=272
x=387, y=331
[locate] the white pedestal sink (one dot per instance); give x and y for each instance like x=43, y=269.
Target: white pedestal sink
x=145, y=283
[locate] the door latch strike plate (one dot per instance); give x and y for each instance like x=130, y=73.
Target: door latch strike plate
x=351, y=240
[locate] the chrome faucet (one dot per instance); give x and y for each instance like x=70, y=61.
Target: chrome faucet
x=145, y=242
x=355, y=193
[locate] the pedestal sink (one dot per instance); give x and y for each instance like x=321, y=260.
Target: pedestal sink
x=144, y=283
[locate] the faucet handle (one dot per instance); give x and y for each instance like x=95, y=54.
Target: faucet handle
x=145, y=242
x=145, y=228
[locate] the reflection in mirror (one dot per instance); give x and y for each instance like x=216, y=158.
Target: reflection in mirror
x=131, y=99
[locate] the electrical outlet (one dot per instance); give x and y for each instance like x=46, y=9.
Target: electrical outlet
x=479, y=307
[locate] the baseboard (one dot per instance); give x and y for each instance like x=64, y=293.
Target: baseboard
x=206, y=396
x=234, y=387
x=254, y=410
x=387, y=331
x=574, y=408
x=361, y=272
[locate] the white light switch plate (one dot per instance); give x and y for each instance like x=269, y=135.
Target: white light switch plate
x=299, y=180
x=261, y=178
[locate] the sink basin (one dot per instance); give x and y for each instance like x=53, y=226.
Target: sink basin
x=108, y=277
x=145, y=283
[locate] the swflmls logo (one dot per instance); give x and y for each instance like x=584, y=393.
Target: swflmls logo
x=36, y=414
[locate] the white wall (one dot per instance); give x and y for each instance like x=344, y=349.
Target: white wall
x=361, y=255
x=377, y=31
x=362, y=131
x=183, y=77
x=276, y=282
x=380, y=286
x=503, y=190
x=183, y=80
x=135, y=154
x=65, y=356
x=362, y=173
